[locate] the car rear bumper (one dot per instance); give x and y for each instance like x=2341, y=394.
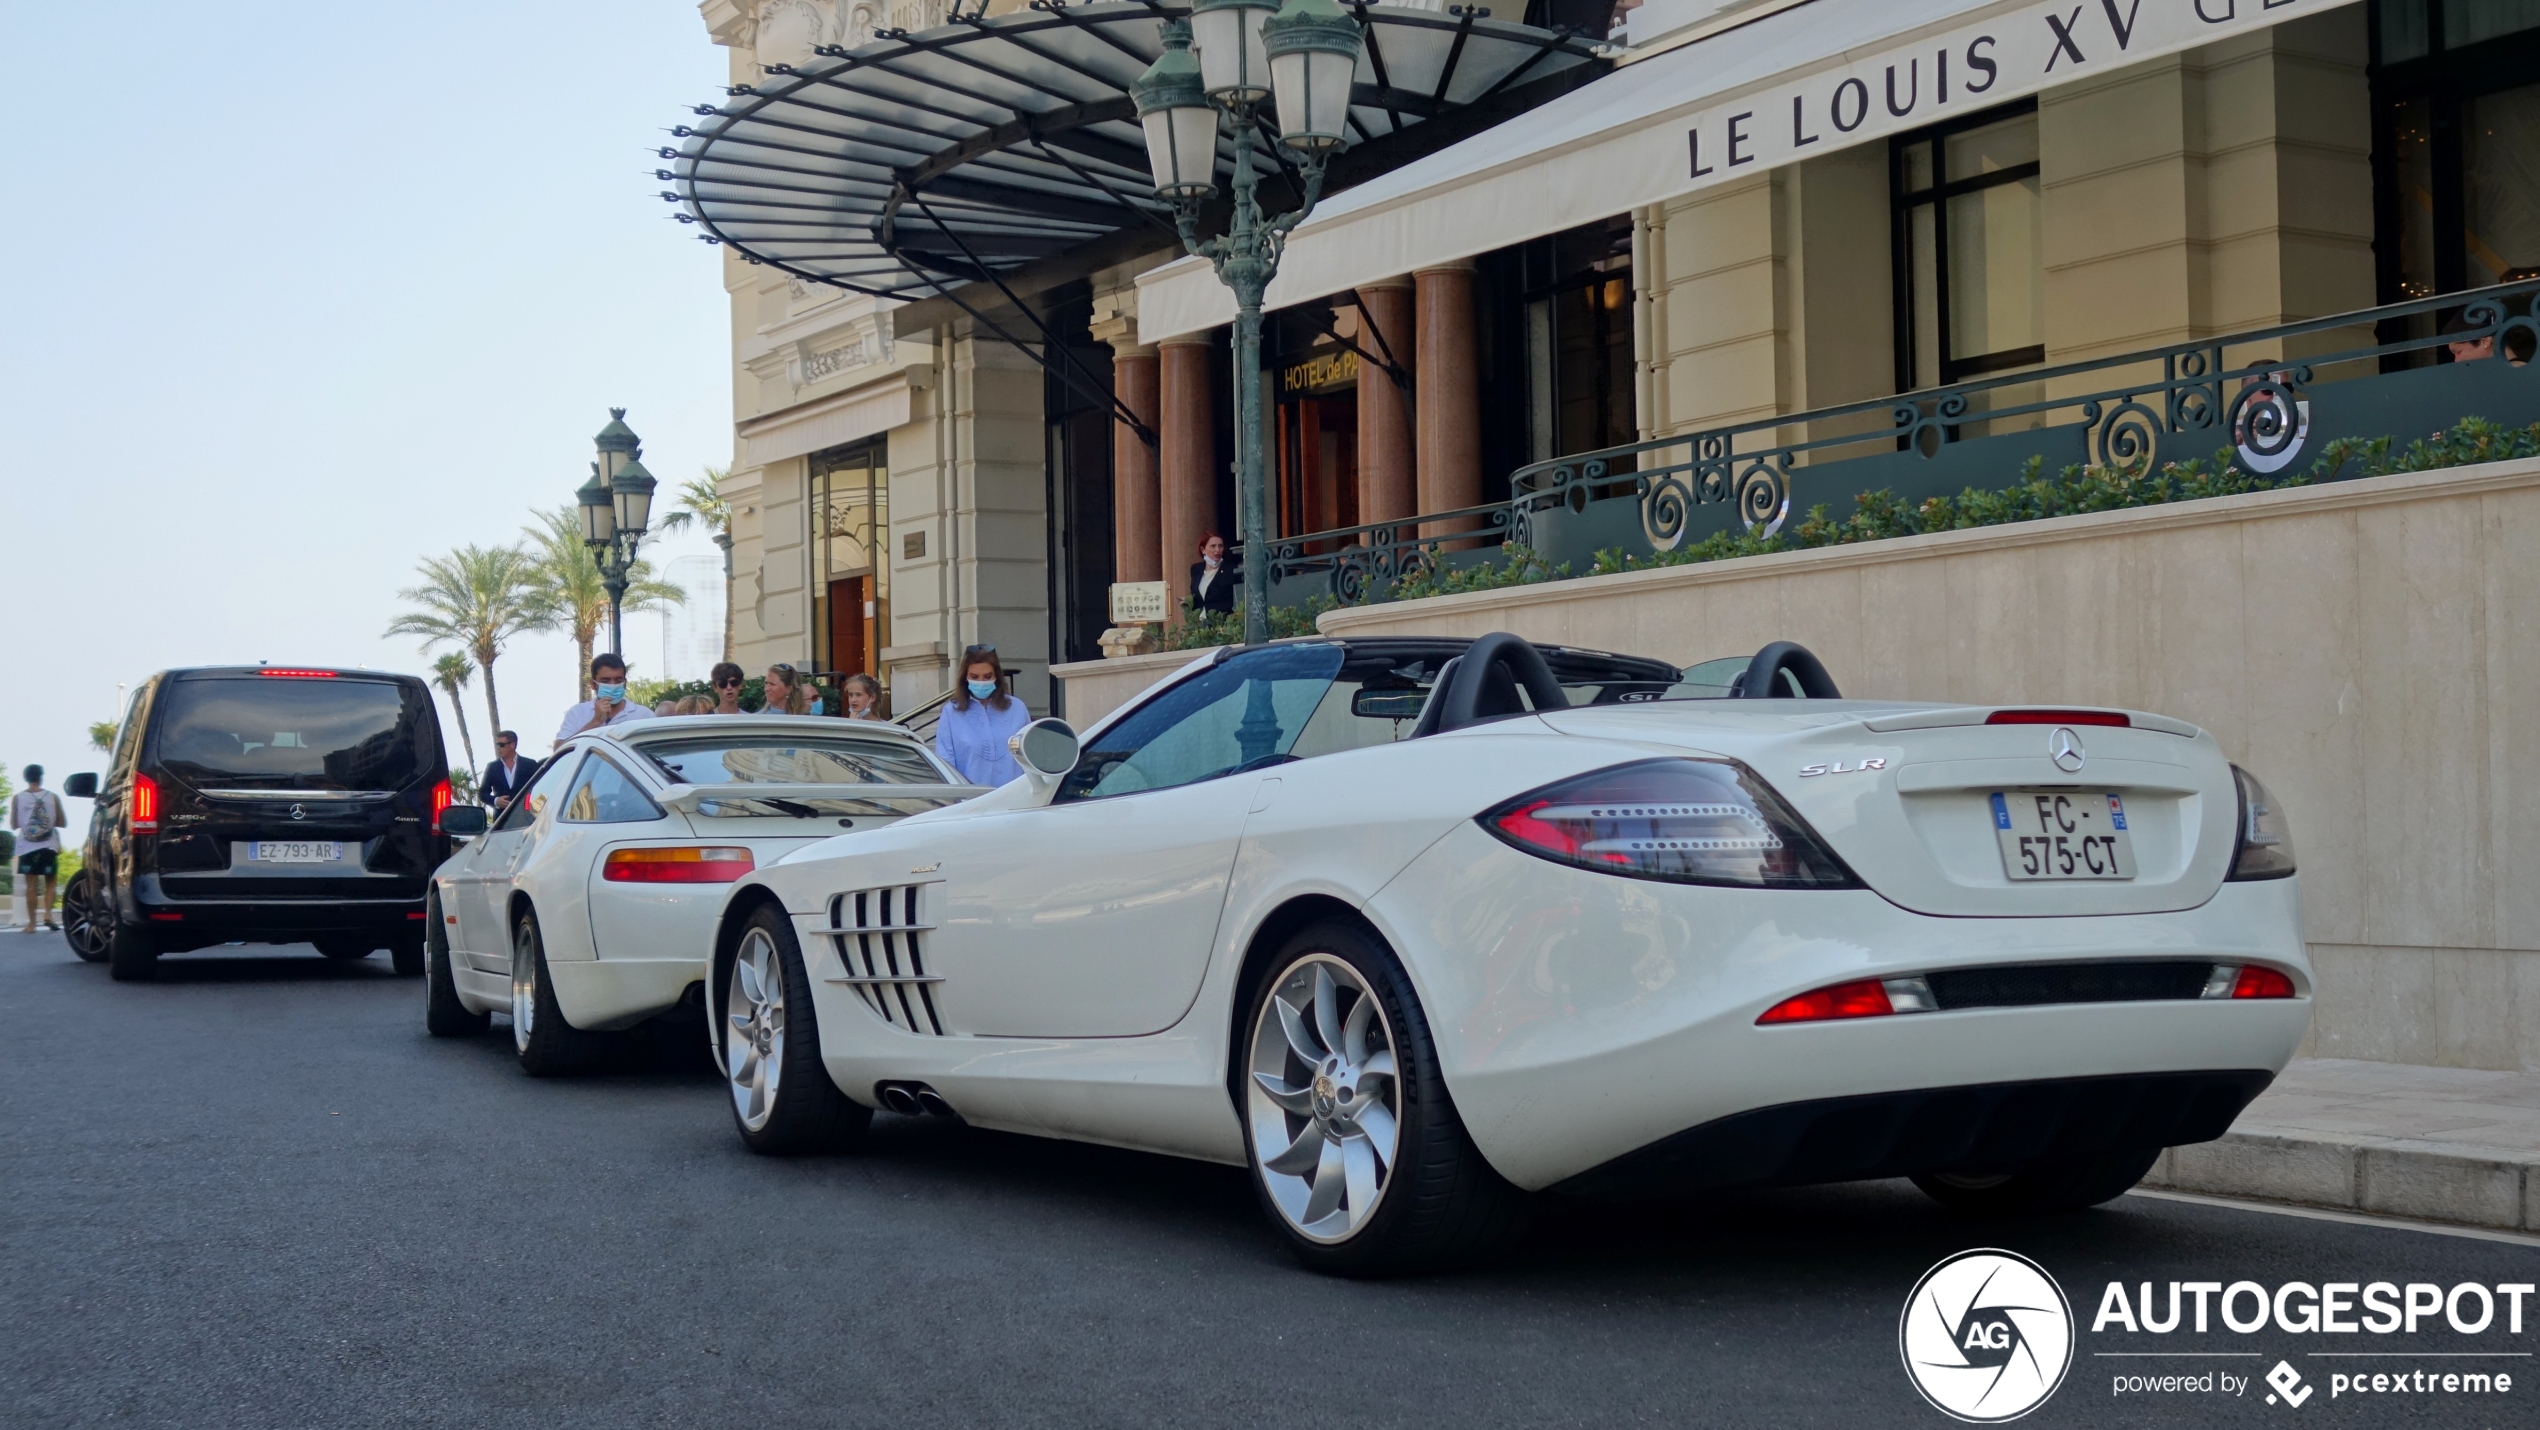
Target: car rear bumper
x=1980, y=1128
x=1581, y=1018
x=607, y=993
x=147, y=903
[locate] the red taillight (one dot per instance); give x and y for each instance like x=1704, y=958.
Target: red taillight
x=440, y=803
x=293, y=673
x=415, y=917
x=2256, y=982
x=711, y=865
x=167, y=918
x=2059, y=717
x=1865, y=999
x=1689, y=821
x=144, y=806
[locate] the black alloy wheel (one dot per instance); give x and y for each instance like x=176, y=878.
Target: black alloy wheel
x=88, y=929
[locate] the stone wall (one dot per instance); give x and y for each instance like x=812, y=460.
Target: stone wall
x=2364, y=647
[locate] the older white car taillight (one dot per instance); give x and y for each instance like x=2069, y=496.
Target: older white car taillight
x=2266, y=839
x=1687, y=821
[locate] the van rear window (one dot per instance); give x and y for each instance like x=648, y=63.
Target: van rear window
x=259, y=733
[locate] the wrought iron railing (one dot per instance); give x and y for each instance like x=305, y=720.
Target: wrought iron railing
x=2274, y=396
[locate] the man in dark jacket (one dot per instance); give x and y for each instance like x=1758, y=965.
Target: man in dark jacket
x=509, y=773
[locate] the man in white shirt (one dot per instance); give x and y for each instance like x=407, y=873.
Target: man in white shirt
x=608, y=704
x=35, y=817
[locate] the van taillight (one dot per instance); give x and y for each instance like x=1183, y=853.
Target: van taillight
x=440, y=802
x=296, y=673
x=145, y=805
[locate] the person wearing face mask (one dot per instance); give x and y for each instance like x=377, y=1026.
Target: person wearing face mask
x=982, y=715
x=608, y=704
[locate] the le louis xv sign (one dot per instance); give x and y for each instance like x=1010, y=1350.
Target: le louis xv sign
x=2011, y=52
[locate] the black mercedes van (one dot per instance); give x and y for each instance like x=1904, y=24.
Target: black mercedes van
x=263, y=804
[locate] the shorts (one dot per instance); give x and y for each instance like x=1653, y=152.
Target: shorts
x=39, y=864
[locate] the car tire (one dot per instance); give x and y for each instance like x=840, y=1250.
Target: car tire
x=767, y=1043
x=2050, y=1184
x=548, y=1045
x=444, y=1016
x=132, y=954
x=344, y=950
x=88, y=929
x=1344, y=1058
x=406, y=955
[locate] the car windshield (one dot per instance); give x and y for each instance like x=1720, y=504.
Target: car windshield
x=791, y=759
x=289, y=732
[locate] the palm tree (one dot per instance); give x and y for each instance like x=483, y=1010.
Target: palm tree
x=701, y=499
x=101, y=735
x=475, y=598
x=451, y=672
x=575, y=594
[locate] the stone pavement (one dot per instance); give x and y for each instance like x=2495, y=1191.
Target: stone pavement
x=2434, y=1144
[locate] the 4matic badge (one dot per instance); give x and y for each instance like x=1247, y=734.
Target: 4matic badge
x=1986, y=1336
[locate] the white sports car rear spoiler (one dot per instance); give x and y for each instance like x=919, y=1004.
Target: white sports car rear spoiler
x=687, y=797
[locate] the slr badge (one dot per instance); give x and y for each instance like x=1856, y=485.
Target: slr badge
x=1840, y=768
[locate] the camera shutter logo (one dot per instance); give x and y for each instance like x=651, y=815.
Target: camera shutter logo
x=1986, y=1336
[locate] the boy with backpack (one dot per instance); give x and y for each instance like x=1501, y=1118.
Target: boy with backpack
x=35, y=813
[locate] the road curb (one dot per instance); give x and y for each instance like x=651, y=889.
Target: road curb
x=2418, y=1180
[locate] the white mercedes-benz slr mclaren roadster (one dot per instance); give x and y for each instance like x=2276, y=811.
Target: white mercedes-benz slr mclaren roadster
x=1415, y=929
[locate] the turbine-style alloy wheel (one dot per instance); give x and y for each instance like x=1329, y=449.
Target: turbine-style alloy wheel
x=754, y=1045
x=1325, y=1100
x=524, y=985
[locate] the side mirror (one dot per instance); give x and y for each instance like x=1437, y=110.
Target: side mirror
x=80, y=786
x=1046, y=749
x=464, y=821
x=1388, y=704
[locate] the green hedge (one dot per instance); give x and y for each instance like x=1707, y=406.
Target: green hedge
x=1880, y=515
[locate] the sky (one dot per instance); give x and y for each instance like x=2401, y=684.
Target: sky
x=292, y=296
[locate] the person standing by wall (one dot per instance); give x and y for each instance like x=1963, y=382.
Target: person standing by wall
x=1214, y=578
x=786, y=692
x=972, y=730
x=608, y=704
x=727, y=680
x=508, y=774
x=35, y=815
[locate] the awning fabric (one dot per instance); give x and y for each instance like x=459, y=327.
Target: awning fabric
x=1793, y=85
x=830, y=422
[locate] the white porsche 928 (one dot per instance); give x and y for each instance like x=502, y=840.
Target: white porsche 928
x=588, y=904
x=1415, y=929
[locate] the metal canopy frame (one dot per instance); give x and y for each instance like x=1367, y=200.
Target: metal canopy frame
x=921, y=162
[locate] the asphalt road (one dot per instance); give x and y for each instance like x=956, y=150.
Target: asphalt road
x=255, y=1194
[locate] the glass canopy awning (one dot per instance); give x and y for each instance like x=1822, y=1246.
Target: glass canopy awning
x=923, y=161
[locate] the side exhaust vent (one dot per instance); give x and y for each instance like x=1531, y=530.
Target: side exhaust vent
x=878, y=936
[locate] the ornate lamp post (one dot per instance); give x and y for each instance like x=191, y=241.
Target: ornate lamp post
x=1303, y=59
x=616, y=505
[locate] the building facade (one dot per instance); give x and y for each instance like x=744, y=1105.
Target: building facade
x=906, y=484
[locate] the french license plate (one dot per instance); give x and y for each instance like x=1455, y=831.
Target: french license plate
x=297, y=851
x=2063, y=834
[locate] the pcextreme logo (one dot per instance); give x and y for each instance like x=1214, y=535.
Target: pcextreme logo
x=1986, y=1336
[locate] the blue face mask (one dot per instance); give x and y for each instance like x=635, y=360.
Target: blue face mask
x=982, y=689
x=610, y=692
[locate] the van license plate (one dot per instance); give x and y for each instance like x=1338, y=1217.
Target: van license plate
x=2063, y=834
x=298, y=851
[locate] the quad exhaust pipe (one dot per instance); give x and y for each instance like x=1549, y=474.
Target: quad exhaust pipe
x=912, y=1099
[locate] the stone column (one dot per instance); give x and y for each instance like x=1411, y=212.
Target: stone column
x=1387, y=489
x=1187, y=425
x=1449, y=385
x=1137, y=530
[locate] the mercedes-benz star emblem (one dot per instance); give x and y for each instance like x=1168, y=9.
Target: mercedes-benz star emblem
x=298, y=813
x=2064, y=748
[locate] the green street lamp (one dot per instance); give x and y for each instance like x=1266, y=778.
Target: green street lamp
x=1304, y=59
x=615, y=506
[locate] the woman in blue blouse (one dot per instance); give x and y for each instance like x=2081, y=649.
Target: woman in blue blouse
x=972, y=730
